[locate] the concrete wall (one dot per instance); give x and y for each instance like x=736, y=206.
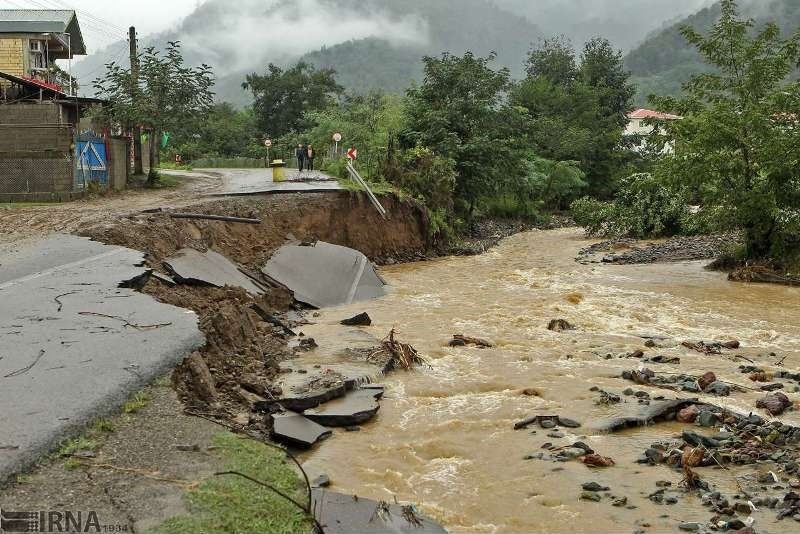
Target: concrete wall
x=38, y=141
x=46, y=113
x=36, y=162
x=118, y=167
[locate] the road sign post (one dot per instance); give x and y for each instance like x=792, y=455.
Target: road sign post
x=268, y=144
x=336, y=138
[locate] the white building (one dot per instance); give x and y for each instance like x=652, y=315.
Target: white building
x=640, y=125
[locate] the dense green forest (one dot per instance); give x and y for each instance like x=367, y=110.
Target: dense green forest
x=666, y=60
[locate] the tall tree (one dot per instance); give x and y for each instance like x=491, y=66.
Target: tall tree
x=553, y=60
x=738, y=146
x=602, y=68
x=577, y=111
x=170, y=95
x=460, y=112
x=283, y=97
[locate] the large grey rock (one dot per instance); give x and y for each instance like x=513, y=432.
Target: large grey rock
x=656, y=411
x=344, y=514
x=190, y=266
x=324, y=274
x=74, y=344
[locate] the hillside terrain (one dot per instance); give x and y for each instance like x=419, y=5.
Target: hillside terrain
x=665, y=61
x=379, y=43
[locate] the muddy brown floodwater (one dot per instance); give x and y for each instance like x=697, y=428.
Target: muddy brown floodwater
x=444, y=437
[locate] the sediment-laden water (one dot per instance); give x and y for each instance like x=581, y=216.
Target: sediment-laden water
x=444, y=436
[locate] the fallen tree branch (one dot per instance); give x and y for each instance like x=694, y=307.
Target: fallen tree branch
x=400, y=354
x=126, y=322
x=185, y=484
x=28, y=368
x=61, y=304
x=214, y=218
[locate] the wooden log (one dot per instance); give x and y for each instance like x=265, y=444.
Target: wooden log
x=214, y=218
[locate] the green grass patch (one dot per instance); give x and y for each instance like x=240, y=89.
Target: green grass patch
x=379, y=188
x=102, y=426
x=136, y=403
x=71, y=446
x=233, y=504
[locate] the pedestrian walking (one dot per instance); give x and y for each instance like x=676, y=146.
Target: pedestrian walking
x=301, y=156
x=310, y=155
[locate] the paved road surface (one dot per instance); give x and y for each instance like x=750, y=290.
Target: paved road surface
x=73, y=345
x=259, y=181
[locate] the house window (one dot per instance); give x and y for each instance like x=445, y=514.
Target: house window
x=38, y=60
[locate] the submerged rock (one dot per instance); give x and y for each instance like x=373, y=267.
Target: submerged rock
x=774, y=403
x=362, y=319
x=559, y=325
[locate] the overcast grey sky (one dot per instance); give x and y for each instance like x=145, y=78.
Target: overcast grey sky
x=103, y=22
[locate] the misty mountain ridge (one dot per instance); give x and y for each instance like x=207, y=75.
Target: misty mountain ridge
x=379, y=43
x=665, y=61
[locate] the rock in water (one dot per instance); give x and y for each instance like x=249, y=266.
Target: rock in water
x=706, y=380
x=594, y=486
x=688, y=414
x=362, y=319
x=774, y=403
x=559, y=325
x=568, y=423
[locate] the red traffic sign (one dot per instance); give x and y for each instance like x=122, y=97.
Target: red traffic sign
x=268, y=143
x=337, y=137
x=352, y=153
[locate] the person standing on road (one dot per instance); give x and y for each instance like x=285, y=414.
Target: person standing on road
x=310, y=154
x=301, y=156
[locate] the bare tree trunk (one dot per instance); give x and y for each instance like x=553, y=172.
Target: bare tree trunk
x=152, y=175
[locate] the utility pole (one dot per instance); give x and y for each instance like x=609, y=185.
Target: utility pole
x=135, y=131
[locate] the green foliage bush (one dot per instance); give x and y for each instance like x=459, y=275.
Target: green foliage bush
x=644, y=207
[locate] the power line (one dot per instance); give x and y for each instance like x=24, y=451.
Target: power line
x=119, y=55
x=116, y=35
x=86, y=15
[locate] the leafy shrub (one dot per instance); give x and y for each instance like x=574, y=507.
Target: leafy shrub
x=644, y=207
x=426, y=176
x=555, y=183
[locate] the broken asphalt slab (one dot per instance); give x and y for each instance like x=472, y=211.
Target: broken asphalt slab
x=294, y=429
x=355, y=408
x=73, y=344
x=346, y=514
x=308, y=382
x=190, y=266
x=324, y=274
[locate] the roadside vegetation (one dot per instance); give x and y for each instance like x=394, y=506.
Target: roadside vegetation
x=470, y=142
x=234, y=504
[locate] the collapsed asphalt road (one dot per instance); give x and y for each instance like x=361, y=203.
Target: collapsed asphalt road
x=73, y=344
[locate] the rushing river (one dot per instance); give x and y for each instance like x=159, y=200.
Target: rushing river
x=444, y=436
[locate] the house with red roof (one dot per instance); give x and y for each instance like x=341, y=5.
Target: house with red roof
x=641, y=124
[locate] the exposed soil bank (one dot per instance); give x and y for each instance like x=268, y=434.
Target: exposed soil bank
x=343, y=218
x=237, y=366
